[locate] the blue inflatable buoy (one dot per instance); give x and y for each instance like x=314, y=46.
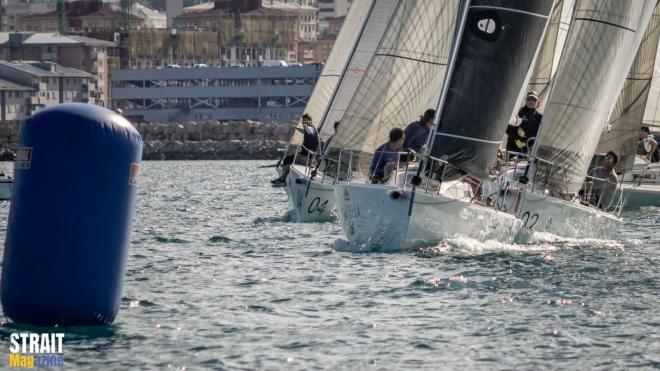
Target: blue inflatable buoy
x=70, y=216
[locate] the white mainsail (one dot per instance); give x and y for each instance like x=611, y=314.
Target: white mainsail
x=336, y=64
x=598, y=54
x=405, y=76
x=628, y=113
x=370, y=36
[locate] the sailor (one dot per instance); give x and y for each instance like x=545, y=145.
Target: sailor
x=386, y=156
x=417, y=132
x=310, y=144
x=647, y=146
x=526, y=126
x=310, y=135
x=602, y=191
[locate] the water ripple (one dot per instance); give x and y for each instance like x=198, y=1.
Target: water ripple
x=218, y=277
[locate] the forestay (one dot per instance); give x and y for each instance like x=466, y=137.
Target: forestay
x=600, y=49
x=336, y=63
x=628, y=113
x=543, y=67
x=370, y=36
x=405, y=76
x=495, y=52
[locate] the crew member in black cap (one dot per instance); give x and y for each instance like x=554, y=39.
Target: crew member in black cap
x=526, y=126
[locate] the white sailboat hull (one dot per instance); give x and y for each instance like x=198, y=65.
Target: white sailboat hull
x=371, y=217
x=542, y=213
x=639, y=195
x=310, y=200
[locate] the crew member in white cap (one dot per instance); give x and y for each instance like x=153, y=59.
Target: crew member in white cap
x=526, y=126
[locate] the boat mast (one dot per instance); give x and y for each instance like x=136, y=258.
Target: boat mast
x=458, y=33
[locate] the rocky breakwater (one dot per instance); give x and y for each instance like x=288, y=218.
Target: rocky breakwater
x=213, y=140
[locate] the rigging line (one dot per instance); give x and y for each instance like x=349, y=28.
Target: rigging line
x=412, y=59
x=354, y=46
x=453, y=52
x=509, y=10
x=468, y=138
x=603, y=22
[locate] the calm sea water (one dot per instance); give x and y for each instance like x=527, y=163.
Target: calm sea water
x=219, y=278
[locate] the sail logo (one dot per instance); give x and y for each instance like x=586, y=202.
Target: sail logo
x=486, y=25
x=30, y=350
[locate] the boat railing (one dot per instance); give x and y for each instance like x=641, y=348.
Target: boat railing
x=544, y=170
x=439, y=170
x=648, y=172
x=355, y=162
x=524, y=164
x=310, y=157
x=594, y=190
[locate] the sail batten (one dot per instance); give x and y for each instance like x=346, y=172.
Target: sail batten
x=495, y=53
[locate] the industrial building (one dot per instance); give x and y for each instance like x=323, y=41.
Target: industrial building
x=266, y=94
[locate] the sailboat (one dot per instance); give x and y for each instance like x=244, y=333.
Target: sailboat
x=599, y=52
x=494, y=44
x=636, y=105
x=310, y=195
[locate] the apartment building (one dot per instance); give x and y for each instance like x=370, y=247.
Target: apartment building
x=27, y=86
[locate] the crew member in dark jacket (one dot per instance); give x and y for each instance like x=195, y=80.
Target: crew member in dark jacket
x=417, y=132
x=525, y=127
x=309, y=146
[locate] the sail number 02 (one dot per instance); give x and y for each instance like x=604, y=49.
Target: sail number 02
x=529, y=220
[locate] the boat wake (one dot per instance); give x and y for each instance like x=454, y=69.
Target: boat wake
x=538, y=242
x=469, y=246
x=549, y=239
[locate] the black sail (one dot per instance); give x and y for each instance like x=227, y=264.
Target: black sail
x=495, y=52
